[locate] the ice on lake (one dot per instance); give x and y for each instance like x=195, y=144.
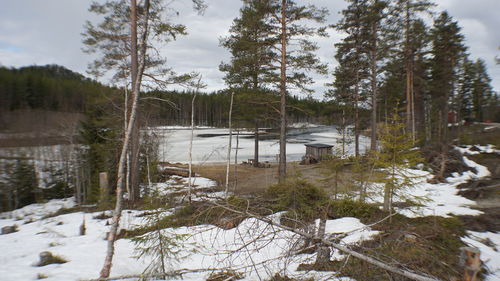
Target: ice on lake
x=210, y=144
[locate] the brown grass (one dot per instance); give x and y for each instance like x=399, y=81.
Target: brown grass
x=254, y=180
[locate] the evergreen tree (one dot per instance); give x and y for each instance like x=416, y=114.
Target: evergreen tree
x=127, y=40
x=295, y=55
x=21, y=184
x=162, y=247
x=379, y=40
x=251, y=67
x=396, y=156
x=447, y=49
x=481, y=90
x=464, y=102
x=406, y=18
x=352, y=61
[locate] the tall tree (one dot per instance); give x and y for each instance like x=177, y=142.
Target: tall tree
x=113, y=39
x=251, y=67
x=447, y=48
x=353, y=64
x=481, y=89
x=126, y=41
x=295, y=56
x=463, y=103
x=408, y=12
x=378, y=39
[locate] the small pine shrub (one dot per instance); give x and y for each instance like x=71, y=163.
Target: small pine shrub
x=350, y=208
x=297, y=196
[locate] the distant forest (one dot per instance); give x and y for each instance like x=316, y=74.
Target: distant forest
x=56, y=88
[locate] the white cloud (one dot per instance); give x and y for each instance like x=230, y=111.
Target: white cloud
x=41, y=32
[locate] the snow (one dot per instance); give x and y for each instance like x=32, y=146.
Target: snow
x=37, y=211
x=467, y=149
x=300, y=125
x=205, y=247
x=442, y=199
x=180, y=184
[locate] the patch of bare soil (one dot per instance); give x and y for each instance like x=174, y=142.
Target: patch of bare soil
x=486, y=193
x=250, y=180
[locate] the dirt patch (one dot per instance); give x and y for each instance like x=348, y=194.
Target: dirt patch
x=489, y=221
x=486, y=193
x=454, y=161
x=251, y=180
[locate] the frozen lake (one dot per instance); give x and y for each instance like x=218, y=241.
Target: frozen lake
x=210, y=144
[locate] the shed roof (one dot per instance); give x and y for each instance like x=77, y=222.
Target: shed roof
x=318, y=145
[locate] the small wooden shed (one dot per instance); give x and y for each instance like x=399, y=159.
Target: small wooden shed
x=318, y=151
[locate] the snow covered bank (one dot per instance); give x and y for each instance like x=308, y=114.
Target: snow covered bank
x=442, y=199
x=254, y=248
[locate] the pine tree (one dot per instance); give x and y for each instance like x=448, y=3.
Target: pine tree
x=126, y=42
x=464, y=102
x=352, y=61
x=396, y=156
x=447, y=48
x=295, y=56
x=162, y=247
x=481, y=90
x=407, y=12
x=379, y=40
x=21, y=183
x=251, y=66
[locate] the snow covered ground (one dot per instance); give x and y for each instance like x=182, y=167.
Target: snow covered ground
x=213, y=146
x=206, y=246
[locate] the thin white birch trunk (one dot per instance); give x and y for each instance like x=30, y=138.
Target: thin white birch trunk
x=191, y=147
x=229, y=144
x=236, y=160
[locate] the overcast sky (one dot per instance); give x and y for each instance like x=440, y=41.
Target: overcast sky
x=48, y=32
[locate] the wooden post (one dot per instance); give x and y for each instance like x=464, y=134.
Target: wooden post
x=103, y=188
x=471, y=262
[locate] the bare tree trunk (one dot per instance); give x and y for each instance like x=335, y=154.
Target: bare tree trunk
x=229, y=144
x=236, y=159
x=256, y=146
x=323, y=251
x=135, y=138
x=125, y=121
x=191, y=147
x=373, y=142
x=106, y=269
x=343, y=132
x=282, y=156
x=134, y=161
x=356, y=116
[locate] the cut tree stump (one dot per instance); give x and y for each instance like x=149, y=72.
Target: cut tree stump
x=471, y=262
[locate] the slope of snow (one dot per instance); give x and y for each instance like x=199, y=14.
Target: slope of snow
x=205, y=247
